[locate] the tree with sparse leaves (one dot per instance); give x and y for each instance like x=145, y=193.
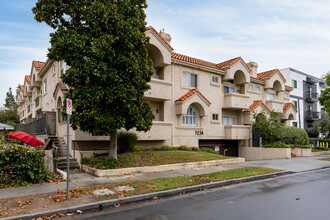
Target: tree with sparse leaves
x=10, y=101
x=325, y=96
x=104, y=43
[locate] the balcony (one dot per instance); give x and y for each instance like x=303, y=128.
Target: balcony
x=159, y=131
x=160, y=90
x=236, y=101
x=274, y=105
x=311, y=80
x=312, y=115
x=237, y=132
x=311, y=96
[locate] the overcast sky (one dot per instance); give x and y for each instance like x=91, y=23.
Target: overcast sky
x=273, y=33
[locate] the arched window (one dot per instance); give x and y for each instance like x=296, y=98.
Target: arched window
x=191, y=118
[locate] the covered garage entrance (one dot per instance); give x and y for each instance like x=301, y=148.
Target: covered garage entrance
x=226, y=147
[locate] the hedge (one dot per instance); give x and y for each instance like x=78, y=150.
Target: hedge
x=22, y=165
x=126, y=141
x=293, y=135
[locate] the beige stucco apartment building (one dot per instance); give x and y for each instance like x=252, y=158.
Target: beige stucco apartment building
x=196, y=103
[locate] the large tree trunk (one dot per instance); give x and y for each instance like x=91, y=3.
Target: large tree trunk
x=113, y=145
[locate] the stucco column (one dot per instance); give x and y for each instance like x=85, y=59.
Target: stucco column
x=280, y=95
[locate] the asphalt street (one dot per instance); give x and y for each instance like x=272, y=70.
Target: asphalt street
x=301, y=196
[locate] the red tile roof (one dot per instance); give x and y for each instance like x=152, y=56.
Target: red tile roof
x=190, y=93
x=28, y=78
x=232, y=62
x=254, y=105
x=286, y=106
x=154, y=30
x=268, y=74
x=193, y=60
x=60, y=85
x=38, y=64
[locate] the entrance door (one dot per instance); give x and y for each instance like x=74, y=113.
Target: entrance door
x=255, y=138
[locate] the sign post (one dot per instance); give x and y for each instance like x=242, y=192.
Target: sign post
x=68, y=112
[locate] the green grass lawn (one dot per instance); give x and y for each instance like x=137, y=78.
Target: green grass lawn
x=153, y=158
x=161, y=184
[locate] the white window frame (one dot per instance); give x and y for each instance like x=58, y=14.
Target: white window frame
x=251, y=87
x=228, y=120
x=295, y=101
x=271, y=96
x=215, y=79
x=188, y=81
x=258, y=88
x=215, y=117
x=230, y=89
x=44, y=86
x=294, y=83
x=191, y=118
x=63, y=67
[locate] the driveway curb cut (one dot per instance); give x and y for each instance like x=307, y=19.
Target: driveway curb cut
x=106, y=203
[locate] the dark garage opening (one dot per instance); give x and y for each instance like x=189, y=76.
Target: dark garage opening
x=231, y=146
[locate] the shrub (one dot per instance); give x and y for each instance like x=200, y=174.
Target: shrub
x=208, y=150
x=21, y=165
x=293, y=135
x=126, y=141
x=183, y=147
x=194, y=148
x=313, y=132
x=86, y=160
x=276, y=145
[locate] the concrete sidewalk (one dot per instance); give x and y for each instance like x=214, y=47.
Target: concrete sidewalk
x=85, y=179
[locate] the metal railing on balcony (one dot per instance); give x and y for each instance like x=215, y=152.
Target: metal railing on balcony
x=311, y=96
x=312, y=115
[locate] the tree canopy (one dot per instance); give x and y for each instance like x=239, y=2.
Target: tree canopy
x=10, y=101
x=104, y=43
x=325, y=96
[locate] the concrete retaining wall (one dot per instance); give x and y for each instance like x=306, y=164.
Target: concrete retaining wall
x=320, y=153
x=258, y=153
x=148, y=169
x=301, y=152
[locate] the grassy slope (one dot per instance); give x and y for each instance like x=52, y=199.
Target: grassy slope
x=153, y=158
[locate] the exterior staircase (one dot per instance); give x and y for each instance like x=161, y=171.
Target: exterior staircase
x=61, y=154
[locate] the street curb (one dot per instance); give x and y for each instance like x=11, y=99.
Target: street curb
x=106, y=203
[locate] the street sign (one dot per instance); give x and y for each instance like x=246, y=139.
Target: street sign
x=69, y=106
x=216, y=148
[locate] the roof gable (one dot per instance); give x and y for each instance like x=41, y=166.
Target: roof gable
x=37, y=64
x=60, y=85
x=254, y=105
x=231, y=62
x=191, y=93
x=286, y=106
x=269, y=74
x=156, y=32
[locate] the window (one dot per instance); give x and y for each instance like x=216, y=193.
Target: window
x=189, y=80
x=250, y=87
x=294, y=124
x=310, y=108
x=286, y=95
x=191, y=118
x=63, y=68
x=258, y=88
x=321, y=91
x=45, y=85
x=53, y=68
x=228, y=120
x=270, y=96
x=295, y=103
x=215, y=117
x=294, y=83
x=227, y=89
x=215, y=79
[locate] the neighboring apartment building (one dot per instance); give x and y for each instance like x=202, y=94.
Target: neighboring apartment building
x=307, y=89
x=195, y=102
